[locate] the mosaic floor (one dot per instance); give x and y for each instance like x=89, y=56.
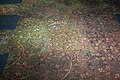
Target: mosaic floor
x=61, y=41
